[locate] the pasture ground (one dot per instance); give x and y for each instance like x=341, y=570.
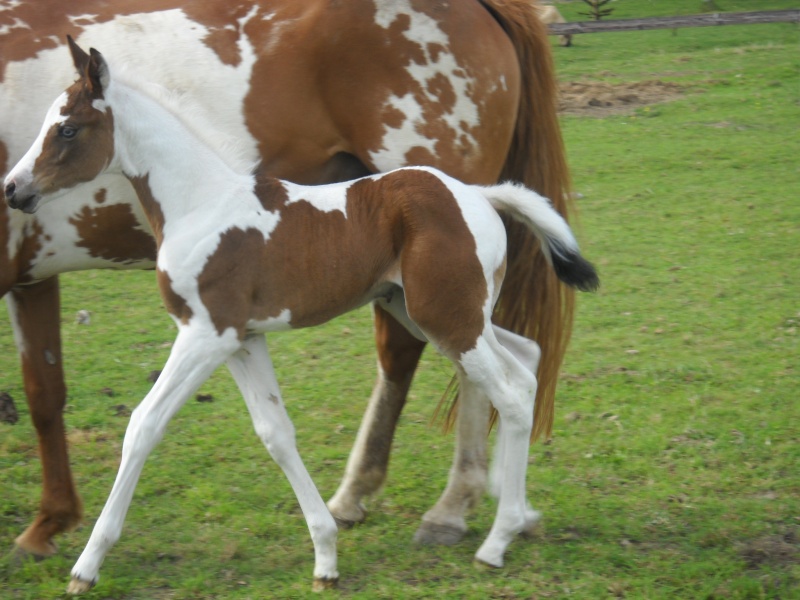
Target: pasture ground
x=673, y=467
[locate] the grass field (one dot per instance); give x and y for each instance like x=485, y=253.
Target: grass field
x=674, y=468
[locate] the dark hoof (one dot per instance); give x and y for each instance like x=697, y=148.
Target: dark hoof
x=434, y=534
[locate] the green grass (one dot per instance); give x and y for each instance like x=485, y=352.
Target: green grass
x=673, y=470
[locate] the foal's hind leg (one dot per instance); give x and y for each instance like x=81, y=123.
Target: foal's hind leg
x=511, y=388
x=445, y=522
x=528, y=353
x=252, y=368
x=194, y=357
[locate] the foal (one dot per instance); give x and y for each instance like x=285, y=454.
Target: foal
x=239, y=255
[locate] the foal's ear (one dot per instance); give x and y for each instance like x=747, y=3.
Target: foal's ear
x=79, y=57
x=98, y=71
x=91, y=66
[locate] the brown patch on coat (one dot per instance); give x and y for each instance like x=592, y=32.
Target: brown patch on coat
x=28, y=251
x=113, y=233
x=175, y=303
x=155, y=216
x=319, y=265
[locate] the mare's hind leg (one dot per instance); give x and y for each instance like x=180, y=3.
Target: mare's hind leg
x=194, y=357
x=445, y=523
x=398, y=356
x=252, y=369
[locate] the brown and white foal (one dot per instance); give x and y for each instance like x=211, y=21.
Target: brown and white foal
x=240, y=255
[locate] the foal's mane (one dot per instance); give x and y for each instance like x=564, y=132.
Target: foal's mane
x=231, y=150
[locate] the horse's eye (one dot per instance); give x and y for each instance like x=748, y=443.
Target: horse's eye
x=67, y=132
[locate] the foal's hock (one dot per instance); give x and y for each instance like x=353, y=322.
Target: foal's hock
x=240, y=255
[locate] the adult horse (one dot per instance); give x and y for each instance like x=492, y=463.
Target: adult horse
x=322, y=92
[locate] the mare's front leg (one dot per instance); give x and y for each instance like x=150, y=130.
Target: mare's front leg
x=398, y=356
x=252, y=369
x=35, y=314
x=197, y=352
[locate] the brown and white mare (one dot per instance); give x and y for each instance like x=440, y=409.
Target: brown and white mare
x=322, y=92
x=239, y=255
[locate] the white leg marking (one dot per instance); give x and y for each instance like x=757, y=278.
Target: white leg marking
x=511, y=387
x=528, y=353
x=194, y=356
x=252, y=369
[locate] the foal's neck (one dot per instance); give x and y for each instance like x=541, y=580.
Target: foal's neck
x=167, y=162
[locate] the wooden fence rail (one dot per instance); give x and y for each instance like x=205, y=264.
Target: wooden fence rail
x=704, y=20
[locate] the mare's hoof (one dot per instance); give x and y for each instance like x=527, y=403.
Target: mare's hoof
x=39, y=551
x=344, y=523
x=346, y=519
x=324, y=583
x=435, y=534
x=78, y=586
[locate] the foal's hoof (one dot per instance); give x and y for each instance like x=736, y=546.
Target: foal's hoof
x=324, y=583
x=483, y=565
x=436, y=534
x=78, y=586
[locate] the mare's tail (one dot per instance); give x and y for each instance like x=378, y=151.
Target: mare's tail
x=554, y=234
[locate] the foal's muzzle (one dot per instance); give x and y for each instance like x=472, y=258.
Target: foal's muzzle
x=24, y=203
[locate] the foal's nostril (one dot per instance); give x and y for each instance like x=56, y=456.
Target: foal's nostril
x=11, y=187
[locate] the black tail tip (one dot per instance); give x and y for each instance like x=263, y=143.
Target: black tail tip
x=576, y=271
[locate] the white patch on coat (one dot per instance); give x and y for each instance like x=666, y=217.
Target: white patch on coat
x=17, y=24
x=424, y=30
x=326, y=198
x=283, y=322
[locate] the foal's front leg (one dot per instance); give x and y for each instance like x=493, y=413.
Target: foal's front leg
x=194, y=357
x=252, y=369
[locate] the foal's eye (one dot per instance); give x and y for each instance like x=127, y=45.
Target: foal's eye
x=67, y=132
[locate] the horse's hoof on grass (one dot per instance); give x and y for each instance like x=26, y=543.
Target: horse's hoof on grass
x=324, y=583
x=78, y=586
x=343, y=524
x=39, y=551
x=434, y=534
x=482, y=565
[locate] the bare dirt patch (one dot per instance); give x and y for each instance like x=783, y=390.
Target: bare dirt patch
x=773, y=550
x=600, y=99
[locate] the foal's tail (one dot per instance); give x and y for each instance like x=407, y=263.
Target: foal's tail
x=554, y=234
